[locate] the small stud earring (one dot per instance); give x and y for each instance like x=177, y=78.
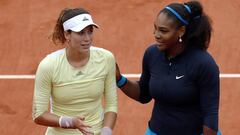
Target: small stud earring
x=68, y=40
x=180, y=39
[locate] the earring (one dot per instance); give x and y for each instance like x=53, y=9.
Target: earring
x=68, y=40
x=180, y=39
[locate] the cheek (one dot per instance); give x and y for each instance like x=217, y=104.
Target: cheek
x=76, y=38
x=171, y=38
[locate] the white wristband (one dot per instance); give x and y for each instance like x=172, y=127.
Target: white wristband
x=106, y=131
x=65, y=122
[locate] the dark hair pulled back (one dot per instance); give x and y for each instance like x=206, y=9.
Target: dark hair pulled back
x=65, y=14
x=198, y=30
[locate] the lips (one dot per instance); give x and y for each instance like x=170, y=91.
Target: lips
x=85, y=44
x=160, y=42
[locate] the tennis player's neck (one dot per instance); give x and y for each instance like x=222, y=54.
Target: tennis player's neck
x=77, y=59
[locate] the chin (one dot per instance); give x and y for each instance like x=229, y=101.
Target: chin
x=84, y=50
x=161, y=47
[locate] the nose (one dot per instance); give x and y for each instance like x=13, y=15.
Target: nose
x=156, y=34
x=87, y=36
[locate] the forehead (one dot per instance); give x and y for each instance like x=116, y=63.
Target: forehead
x=163, y=20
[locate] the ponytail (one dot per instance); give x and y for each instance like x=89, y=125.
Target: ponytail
x=198, y=32
x=58, y=32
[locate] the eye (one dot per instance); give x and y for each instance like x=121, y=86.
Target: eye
x=81, y=33
x=163, y=30
x=90, y=31
x=160, y=29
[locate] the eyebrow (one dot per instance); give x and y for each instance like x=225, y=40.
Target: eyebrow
x=159, y=27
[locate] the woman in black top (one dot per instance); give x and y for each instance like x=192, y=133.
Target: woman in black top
x=179, y=74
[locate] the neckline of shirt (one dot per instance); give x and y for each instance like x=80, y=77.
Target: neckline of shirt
x=78, y=68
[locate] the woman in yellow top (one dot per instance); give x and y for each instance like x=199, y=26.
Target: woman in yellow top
x=74, y=80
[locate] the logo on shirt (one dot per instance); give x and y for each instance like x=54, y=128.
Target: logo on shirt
x=79, y=73
x=179, y=77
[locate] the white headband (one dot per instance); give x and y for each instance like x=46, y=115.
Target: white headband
x=78, y=23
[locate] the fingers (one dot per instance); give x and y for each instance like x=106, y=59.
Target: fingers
x=118, y=74
x=87, y=131
x=117, y=68
x=81, y=118
x=81, y=126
